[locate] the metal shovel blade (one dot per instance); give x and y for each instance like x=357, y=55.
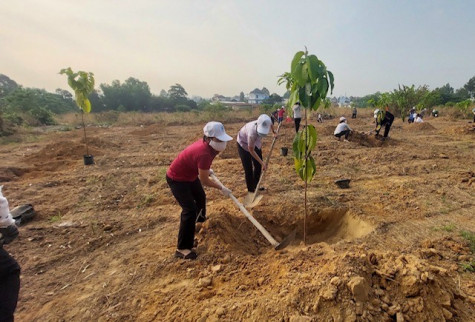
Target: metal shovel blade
x=250, y=203
x=286, y=241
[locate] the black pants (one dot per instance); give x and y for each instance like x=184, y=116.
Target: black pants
x=252, y=167
x=387, y=121
x=346, y=133
x=9, y=285
x=192, y=199
x=353, y=116
x=297, y=123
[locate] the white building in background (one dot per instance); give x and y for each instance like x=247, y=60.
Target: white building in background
x=257, y=96
x=343, y=101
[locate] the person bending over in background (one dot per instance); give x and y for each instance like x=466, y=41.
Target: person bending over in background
x=418, y=119
x=297, y=116
x=383, y=118
x=9, y=268
x=249, y=146
x=342, y=129
x=186, y=175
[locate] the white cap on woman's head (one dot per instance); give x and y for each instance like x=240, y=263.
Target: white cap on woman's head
x=263, y=124
x=216, y=130
x=342, y=119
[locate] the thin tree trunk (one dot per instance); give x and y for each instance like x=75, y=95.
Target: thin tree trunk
x=84, y=127
x=305, y=217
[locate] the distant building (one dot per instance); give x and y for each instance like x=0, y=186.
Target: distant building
x=343, y=101
x=257, y=96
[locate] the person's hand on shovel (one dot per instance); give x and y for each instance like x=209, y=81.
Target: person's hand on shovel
x=225, y=191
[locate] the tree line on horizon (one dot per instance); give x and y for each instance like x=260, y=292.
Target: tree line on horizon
x=32, y=106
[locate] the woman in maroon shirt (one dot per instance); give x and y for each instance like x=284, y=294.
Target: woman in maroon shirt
x=186, y=175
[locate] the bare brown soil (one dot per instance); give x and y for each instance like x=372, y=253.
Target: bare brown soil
x=387, y=248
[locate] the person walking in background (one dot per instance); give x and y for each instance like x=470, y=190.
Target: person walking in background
x=353, y=115
x=274, y=116
x=9, y=268
x=319, y=118
x=473, y=111
x=383, y=118
x=342, y=129
x=249, y=144
x=186, y=175
x=297, y=116
x=281, y=114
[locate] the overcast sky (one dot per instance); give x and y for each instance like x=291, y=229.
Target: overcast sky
x=229, y=46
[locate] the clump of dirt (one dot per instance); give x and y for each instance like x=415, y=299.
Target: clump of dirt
x=11, y=173
x=386, y=285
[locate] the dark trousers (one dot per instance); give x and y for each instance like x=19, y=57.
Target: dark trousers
x=192, y=199
x=252, y=168
x=388, y=121
x=297, y=123
x=9, y=285
x=346, y=133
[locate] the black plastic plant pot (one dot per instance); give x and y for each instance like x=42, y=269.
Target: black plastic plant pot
x=283, y=151
x=88, y=159
x=343, y=183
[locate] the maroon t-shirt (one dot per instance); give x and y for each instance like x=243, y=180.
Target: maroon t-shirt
x=198, y=155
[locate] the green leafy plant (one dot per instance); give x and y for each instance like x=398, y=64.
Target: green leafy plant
x=470, y=237
x=82, y=84
x=304, y=142
x=308, y=83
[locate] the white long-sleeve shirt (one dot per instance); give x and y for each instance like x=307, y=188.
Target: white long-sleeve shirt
x=5, y=216
x=341, y=127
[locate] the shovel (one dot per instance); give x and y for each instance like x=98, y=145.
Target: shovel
x=254, y=198
x=277, y=246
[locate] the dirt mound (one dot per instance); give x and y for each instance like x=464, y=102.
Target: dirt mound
x=422, y=127
x=370, y=140
x=462, y=129
x=61, y=154
x=326, y=130
x=388, y=286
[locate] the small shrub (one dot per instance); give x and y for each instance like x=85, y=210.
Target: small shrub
x=42, y=116
x=182, y=108
x=109, y=117
x=468, y=266
x=470, y=237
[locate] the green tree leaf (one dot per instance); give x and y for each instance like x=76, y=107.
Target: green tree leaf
x=296, y=61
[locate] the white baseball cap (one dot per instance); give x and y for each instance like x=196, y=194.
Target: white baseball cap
x=216, y=130
x=263, y=124
x=376, y=111
x=342, y=119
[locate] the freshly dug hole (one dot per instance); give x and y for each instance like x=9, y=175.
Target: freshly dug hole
x=232, y=231
x=331, y=225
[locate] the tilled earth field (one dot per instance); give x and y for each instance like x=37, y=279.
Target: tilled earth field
x=393, y=246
